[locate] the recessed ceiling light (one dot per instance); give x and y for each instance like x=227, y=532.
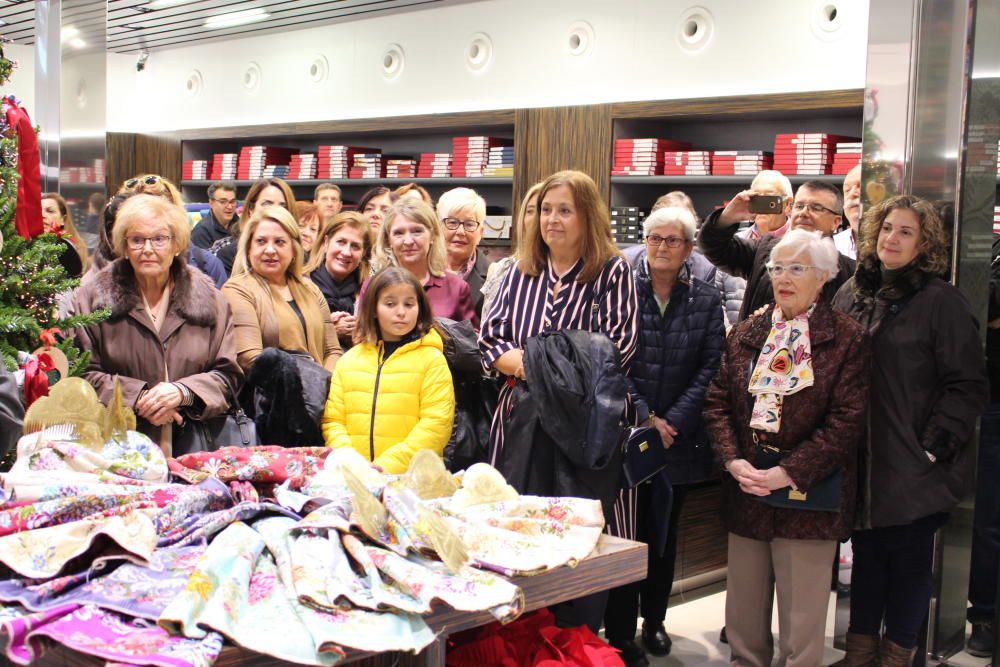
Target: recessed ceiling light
x=237, y=18
x=77, y=43
x=69, y=32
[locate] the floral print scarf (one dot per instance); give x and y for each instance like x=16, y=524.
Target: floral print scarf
x=783, y=367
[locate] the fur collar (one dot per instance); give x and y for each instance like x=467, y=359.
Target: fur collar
x=869, y=286
x=192, y=297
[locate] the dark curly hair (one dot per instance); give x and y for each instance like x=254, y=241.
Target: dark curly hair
x=933, y=257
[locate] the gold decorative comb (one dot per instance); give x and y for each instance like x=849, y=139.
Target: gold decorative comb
x=427, y=476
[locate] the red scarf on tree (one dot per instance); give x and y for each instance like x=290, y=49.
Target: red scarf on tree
x=28, y=216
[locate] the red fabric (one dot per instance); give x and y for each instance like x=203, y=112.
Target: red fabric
x=28, y=216
x=36, y=382
x=264, y=464
x=531, y=641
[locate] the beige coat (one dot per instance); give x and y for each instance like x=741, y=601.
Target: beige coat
x=194, y=346
x=263, y=319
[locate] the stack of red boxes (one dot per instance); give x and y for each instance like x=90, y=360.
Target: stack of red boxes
x=367, y=165
x=740, y=163
x=687, y=163
x=400, y=168
x=471, y=154
x=434, y=165
x=223, y=166
x=806, y=153
x=847, y=157
x=196, y=170
x=643, y=157
x=302, y=167
x=336, y=161
x=253, y=160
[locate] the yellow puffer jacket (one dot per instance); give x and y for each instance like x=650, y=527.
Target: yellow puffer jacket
x=388, y=409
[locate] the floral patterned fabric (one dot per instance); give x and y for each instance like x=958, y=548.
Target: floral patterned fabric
x=266, y=463
x=137, y=457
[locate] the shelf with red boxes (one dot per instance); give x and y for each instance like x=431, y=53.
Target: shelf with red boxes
x=712, y=148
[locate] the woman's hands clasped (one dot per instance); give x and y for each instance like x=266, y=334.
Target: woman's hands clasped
x=159, y=405
x=758, y=482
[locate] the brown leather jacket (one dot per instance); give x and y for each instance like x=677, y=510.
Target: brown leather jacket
x=194, y=346
x=823, y=424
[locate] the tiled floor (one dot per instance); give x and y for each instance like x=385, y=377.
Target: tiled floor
x=694, y=627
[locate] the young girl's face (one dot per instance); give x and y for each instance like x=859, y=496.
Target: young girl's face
x=397, y=311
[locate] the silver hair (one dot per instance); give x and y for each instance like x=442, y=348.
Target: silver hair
x=669, y=215
x=458, y=200
x=820, y=250
x=783, y=182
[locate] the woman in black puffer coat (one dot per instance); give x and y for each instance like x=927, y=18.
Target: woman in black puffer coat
x=681, y=337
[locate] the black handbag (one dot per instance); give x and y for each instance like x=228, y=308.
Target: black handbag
x=644, y=455
x=230, y=429
x=823, y=496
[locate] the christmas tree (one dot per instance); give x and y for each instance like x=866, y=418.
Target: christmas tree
x=31, y=276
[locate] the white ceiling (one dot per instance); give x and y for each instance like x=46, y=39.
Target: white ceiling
x=132, y=25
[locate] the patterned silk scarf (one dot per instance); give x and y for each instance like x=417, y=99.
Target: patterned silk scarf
x=783, y=368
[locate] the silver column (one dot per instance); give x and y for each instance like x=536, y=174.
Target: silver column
x=71, y=89
x=931, y=130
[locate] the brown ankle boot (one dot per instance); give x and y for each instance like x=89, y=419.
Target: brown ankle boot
x=862, y=651
x=894, y=655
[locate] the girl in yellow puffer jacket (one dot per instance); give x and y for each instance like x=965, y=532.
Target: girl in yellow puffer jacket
x=391, y=394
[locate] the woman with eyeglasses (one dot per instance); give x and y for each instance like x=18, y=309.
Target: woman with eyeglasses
x=681, y=335
x=154, y=184
x=412, y=238
x=462, y=213
x=263, y=194
x=169, y=339
x=785, y=413
x=929, y=386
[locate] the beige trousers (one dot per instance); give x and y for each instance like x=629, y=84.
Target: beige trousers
x=800, y=571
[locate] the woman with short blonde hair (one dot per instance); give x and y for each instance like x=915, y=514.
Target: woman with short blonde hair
x=169, y=338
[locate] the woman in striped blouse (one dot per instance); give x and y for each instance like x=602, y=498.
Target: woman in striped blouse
x=566, y=259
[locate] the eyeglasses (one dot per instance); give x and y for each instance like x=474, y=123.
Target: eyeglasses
x=159, y=242
x=794, y=270
x=152, y=179
x=225, y=203
x=654, y=241
x=813, y=208
x=454, y=223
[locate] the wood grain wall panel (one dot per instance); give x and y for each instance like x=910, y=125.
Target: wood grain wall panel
x=121, y=159
x=774, y=103
x=132, y=154
x=158, y=154
x=550, y=139
x=701, y=537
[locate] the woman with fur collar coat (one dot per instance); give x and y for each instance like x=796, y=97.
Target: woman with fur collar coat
x=173, y=353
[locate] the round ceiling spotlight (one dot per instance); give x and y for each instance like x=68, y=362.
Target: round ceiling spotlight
x=695, y=29
x=392, y=62
x=826, y=20
x=580, y=39
x=252, y=77
x=193, y=83
x=319, y=68
x=479, y=54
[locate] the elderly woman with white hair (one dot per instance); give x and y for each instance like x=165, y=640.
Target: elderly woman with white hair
x=786, y=413
x=681, y=335
x=463, y=213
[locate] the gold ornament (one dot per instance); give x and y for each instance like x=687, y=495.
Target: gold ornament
x=427, y=476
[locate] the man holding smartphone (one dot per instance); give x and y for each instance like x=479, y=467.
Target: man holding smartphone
x=818, y=206
x=772, y=216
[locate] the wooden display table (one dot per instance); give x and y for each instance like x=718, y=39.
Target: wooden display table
x=612, y=563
